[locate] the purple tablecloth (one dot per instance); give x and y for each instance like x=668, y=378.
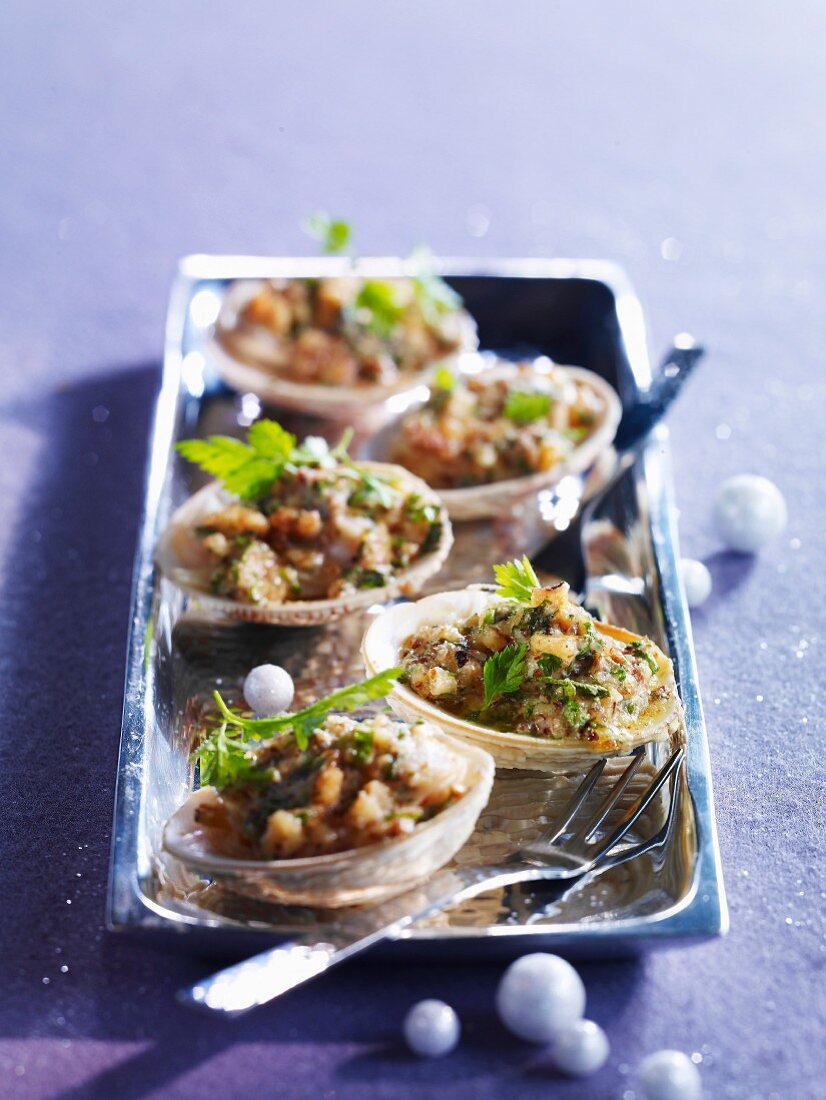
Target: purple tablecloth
x=690, y=145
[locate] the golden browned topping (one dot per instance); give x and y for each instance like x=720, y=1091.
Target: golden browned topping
x=317, y=534
x=498, y=425
x=354, y=783
x=309, y=523
x=540, y=667
x=352, y=331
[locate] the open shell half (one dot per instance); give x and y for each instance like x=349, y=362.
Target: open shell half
x=181, y=558
x=252, y=359
x=368, y=874
x=382, y=649
x=499, y=498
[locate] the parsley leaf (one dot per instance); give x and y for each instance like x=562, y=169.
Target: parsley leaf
x=223, y=759
x=373, y=490
x=303, y=722
x=504, y=672
x=380, y=299
x=420, y=511
x=363, y=744
x=333, y=234
x=236, y=465
x=270, y=440
x=444, y=379
x=574, y=714
x=570, y=687
x=640, y=650
x=550, y=663
x=516, y=580
x=526, y=407
x=249, y=469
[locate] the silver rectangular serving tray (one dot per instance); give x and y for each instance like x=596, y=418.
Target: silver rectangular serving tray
x=580, y=312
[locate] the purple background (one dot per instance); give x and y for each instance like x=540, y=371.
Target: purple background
x=689, y=144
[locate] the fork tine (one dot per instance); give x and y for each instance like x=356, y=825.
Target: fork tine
x=641, y=805
x=587, y=829
x=572, y=809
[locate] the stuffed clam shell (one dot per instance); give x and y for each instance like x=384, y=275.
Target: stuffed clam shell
x=540, y=685
x=318, y=544
x=365, y=810
x=488, y=439
x=335, y=347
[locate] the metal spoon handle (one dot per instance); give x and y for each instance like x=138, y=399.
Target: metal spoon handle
x=255, y=981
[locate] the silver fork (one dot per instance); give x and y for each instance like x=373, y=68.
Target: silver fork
x=565, y=854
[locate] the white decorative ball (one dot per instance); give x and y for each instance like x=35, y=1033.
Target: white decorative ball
x=431, y=1028
x=580, y=1049
x=669, y=1075
x=268, y=690
x=696, y=581
x=539, y=996
x=749, y=511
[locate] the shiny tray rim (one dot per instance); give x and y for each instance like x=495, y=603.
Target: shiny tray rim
x=701, y=914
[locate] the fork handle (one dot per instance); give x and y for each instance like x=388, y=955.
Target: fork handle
x=262, y=978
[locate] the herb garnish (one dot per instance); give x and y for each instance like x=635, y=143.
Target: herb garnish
x=225, y=758
x=373, y=490
x=444, y=379
x=433, y=294
x=516, y=580
x=249, y=469
x=550, y=663
x=380, y=299
x=641, y=651
x=333, y=234
x=504, y=672
x=363, y=744
x=524, y=407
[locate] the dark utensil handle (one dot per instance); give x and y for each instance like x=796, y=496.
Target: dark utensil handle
x=650, y=407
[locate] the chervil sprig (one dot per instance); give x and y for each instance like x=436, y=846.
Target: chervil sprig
x=303, y=722
x=516, y=580
x=249, y=469
x=222, y=758
x=504, y=672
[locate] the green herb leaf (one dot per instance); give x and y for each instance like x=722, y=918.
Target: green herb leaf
x=526, y=407
x=574, y=714
x=421, y=511
x=249, y=469
x=303, y=722
x=373, y=490
x=618, y=671
x=333, y=234
x=640, y=650
x=380, y=299
x=444, y=379
x=516, y=580
x=570, y=687
x=363, y=744
x=270, y=440
x=504, y=672
x=550, y=663
x=223, y=759
x=571, y=710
